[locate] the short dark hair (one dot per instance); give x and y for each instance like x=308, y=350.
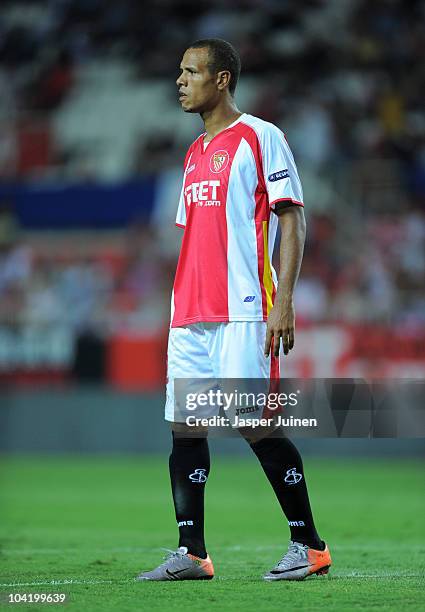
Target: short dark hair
x=222, y=56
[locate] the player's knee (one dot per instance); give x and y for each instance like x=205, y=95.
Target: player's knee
x=256, y=434
x=181, y=430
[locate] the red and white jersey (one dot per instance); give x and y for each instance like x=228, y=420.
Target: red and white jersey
x=230, y=188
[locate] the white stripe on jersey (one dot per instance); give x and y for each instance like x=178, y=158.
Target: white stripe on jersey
x=243, y=280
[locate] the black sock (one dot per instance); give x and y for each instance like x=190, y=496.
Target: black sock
x=189, y=469
x=283, y=467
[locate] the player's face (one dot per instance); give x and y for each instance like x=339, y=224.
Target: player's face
x=197, y=86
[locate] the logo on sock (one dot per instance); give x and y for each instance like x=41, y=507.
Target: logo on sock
x=198, y=475
x=296, y=523
x=292, y=476
x=185, y=524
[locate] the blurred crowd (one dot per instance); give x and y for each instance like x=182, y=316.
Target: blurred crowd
x=373, y=276
x=83, y=283
x=343, y=78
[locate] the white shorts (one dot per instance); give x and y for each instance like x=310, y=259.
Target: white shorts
x=217, y=351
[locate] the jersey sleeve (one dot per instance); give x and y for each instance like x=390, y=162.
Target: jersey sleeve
x=280, y=172
x=181, y=209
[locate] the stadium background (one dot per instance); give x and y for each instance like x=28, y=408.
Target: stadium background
x=92, y=140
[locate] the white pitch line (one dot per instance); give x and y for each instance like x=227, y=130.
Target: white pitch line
x=71, y=581
x=60, y=583
x=383, y=575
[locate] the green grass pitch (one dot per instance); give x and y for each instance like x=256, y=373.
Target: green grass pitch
x=86, y=526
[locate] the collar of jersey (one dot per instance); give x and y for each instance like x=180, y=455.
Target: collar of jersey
x=217, y=135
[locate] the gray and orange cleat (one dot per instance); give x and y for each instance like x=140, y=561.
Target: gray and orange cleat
x=299, y=562
x=180, y=565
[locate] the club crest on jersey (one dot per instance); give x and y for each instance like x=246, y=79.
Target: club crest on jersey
x=219, y=161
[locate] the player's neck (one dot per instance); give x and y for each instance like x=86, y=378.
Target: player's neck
x=219, y=119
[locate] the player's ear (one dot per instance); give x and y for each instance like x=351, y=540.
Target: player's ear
x=223, y=79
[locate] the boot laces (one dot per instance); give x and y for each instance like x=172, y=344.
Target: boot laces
x=172, y=554
x=296, y=552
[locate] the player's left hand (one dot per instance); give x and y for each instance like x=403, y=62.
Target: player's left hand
x=280, y=324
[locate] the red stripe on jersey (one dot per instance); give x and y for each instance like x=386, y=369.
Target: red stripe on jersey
x=210, y=304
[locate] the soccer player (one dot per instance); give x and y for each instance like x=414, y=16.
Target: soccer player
x=229, y=311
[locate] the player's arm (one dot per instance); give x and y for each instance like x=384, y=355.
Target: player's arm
x=281, y=319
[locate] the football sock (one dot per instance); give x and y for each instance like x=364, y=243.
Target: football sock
x=283, y=467
x=189, y=469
